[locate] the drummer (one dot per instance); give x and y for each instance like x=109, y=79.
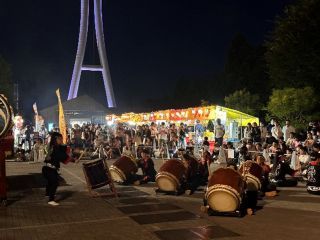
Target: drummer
x=147, y=166
x=193, y=179
x=204, y=164
x=267, y=188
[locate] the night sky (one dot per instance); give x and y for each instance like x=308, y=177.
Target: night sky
x=150, y=44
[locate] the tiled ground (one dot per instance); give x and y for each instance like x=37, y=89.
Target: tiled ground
x=140, y=213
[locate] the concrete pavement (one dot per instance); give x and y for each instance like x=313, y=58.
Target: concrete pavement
x=140, y=213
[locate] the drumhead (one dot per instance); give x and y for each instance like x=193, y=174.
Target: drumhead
x=223, y=201
x=253, y=184
x=166, y=183
x=117, y=175
x=93, y=162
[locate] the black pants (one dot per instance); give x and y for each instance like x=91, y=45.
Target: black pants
x=266, y=186
x=192, y=183
x=137, y=177
x=219, y=141
x=52, y=181
x=251, y=199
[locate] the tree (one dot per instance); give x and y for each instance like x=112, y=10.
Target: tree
x=296, y=104
x=243, y=101
x=204, y=103
x=6, y=84
x=293, y=50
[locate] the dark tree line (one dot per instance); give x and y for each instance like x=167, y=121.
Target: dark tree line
x=288, y=61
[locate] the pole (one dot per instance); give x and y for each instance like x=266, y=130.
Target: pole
x=3, y=182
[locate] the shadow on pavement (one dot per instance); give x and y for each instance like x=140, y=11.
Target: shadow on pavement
x=34, y=180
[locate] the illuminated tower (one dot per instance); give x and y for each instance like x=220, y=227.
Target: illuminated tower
x=103, y=67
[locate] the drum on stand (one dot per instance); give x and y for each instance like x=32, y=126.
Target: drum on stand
x=252, y=172
x=170, y=176
x=97, y=175
x=225, y=190
x=123, y=168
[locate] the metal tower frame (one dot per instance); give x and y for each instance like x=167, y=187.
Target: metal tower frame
x=83, y=35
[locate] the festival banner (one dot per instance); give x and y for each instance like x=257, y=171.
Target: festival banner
x=35, y=108
x=62, y=122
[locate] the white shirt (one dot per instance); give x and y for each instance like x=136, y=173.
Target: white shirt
x=163, y=133
x=276, y=132
x=286, y=131
x=219, y=131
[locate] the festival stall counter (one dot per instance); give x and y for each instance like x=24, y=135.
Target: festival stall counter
x=206, y=115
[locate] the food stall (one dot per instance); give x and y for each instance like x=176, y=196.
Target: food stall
x=233, y=120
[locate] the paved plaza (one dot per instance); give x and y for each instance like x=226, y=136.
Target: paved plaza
x=140, y=213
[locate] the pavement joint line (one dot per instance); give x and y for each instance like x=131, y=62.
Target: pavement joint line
x=154, y=212
x=72, y=174
x=63, y=223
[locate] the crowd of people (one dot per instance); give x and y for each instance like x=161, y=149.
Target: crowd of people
x=284, y=154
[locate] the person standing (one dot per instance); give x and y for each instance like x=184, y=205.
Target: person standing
x=182, y=136
x=56, y=153
x=248, y=132
x=28, y=133
x=263, y=131
x=199, y=130
x=276, y=130
x=219, y=132
x=256, y=133
x=154, y=133
x=163, y=135
x=287, y=129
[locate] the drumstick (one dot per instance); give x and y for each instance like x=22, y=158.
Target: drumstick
x=81, y=155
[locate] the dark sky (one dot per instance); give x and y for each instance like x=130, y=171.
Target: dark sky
x=150, y=43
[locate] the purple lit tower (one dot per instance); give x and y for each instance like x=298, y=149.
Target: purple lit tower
x=78, y=66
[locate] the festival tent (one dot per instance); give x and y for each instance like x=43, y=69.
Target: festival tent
x=80, y=110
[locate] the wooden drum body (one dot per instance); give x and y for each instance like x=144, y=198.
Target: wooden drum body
x=225, y=190
x=95, y=172
x=123, y=168
x=170, y=175
x=252, y=172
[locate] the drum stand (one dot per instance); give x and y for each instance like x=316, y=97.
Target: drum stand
x=238, y=213
x=175, y=193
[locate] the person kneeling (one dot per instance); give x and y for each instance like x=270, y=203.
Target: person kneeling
x=147, y=166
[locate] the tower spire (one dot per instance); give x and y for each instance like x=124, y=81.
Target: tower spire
x=83, y=36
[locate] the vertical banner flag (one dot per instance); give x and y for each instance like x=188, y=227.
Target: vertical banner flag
x=35, y=108
x=36, y=117
x=62, y=122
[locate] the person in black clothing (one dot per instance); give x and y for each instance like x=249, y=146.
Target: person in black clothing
x=27, y=139
x=280, y=169
x=270, y=139
x=148, y=171
x=193, y=178
x=256, y=133
x=204, y=162
x=206, y=143
x=56, y=153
